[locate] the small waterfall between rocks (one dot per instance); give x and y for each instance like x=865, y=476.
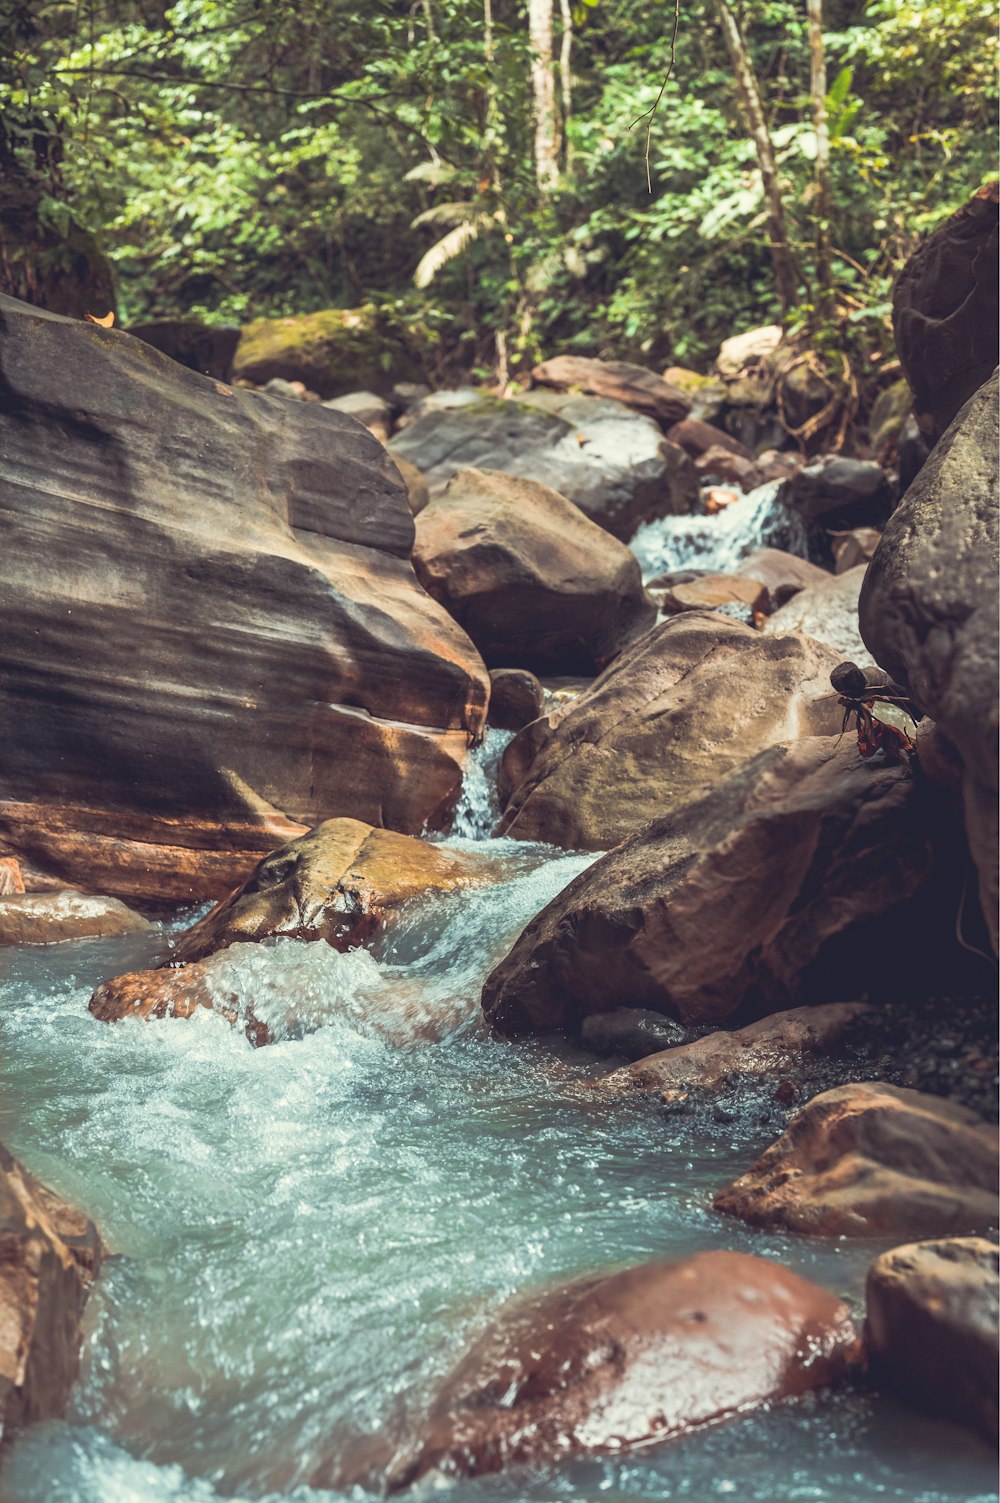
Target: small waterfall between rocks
x=759, y=519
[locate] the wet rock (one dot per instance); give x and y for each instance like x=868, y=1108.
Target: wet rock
x=213, y=632
x=931, y=1332
x=332, y=352
x=613, y=1361
x=840, y=493
x=206, y=348
x=11, y=879
x=166, y=993
x=773, y=1046
x=873, y=1160
x=710, y=591
x=617, y=380
x=527, y=575
x=928, y=612
x=417, y=490
x=50, y=1255
x=46, y=918
x=365, y=407
x=339, y=883
x=785, y=574
x=696, y=438
x=852, y=548
x=675, y=711
x=719, y=463
x=945, y=311
x=615, y=465
x=516, y=698
x=764, y=893
x=828, y=612
x=632, y=1031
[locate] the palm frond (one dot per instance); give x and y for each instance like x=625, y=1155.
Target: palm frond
x=446, y=249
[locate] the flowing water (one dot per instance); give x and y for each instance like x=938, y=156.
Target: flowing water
x=721, y=542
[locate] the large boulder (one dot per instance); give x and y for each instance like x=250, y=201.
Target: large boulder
x=931, y=1332
x=332, y=352
x=206, y=348
x=674, y=712
x=213, y=634
x=528, y=576
x=873, y=1160
x=613, y=1361
x=50, y=1255
x=760, y=896
x=632, y=385
x=928, y=611
x=615, y=465
x=945, y=311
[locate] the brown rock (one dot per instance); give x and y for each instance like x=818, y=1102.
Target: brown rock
x=768, y=1047
x=852, y=548
x=45, y=918
x=931, y=1332
x=633, y=1031
x=945, y=311
x=613, y=1361
x=11, y=880
x=719, y=463
x=49, y=1257
x=417, y=490
x=783, y=573
x=873, y=1160
x=928, y=611
x=516, y=698
x=159, y=994
x=674, y=712
x=827, y=611
x=527, y=575
x=840, y=493
x=696, y=437
x=210, y=617
x=757, y=896
x=618, y=381
x=710, y=591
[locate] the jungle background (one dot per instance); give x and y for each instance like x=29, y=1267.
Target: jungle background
x=474, y=169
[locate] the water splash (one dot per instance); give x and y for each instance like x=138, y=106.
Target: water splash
x=720, y=543
x=478, y=807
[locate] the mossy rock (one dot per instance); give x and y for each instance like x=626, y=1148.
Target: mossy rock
x=333, y=352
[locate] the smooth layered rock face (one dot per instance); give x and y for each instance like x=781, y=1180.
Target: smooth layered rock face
x=932, y=1327
x=828, y=612
x=615, y=465
x=760, y=896
x=49, y=1257
x=928, y=611
x=613, y=1361
x=871, y=1160
x=945, y=311
x=673, y=714
x=205, y=636
x=528, y=576
x=45, y=918
x=632, y=385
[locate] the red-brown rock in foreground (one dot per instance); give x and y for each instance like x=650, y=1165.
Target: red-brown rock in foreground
x=49, y=1257
x=872, y=1160
x=613, y=1361
x=931, y=1332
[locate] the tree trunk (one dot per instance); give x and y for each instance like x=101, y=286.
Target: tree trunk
x=814, y=11
x=543, y=90
x=785, y=271
x=566, y=76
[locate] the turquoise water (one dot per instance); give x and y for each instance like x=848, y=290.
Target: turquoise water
x=307, y=1236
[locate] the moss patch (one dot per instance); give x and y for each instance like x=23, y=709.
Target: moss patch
x=333, y=352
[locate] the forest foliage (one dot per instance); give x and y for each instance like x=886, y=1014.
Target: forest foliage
x=237, y=159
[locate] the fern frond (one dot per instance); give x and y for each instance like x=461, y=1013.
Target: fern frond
x=446, y=249
x=449, y=213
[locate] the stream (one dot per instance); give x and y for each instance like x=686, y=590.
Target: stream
x=305, y=1237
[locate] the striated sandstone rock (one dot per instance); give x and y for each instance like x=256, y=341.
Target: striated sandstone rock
x=673, y=713
x=527, y=575
x=873, y=1160
x=613, y=1361
x=50, y=1255
x=928, y=611
x=617, y=380
x=827, y=611
x=11, y=878
x=615, y=465
x=760, y=895
x=932, y=1327
x=516, y=698
x=771, y=1046
x=212, y=631
x=45, y=918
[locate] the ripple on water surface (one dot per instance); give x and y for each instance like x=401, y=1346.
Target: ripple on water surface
x=308, y=1235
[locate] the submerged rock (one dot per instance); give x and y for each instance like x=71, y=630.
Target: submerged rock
x=213, y=632
x=46, y=918
x=873, y=1160
x=673, y=713
x=615, y=465
x=49, y=1258
x=932, y=1327
x=763, y=893
x=613, y=1361
x=632, y=1031
x=928, y=612
x=632, y=385
x=527, y=575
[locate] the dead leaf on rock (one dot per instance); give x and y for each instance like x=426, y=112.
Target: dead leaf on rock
x=104, y=322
